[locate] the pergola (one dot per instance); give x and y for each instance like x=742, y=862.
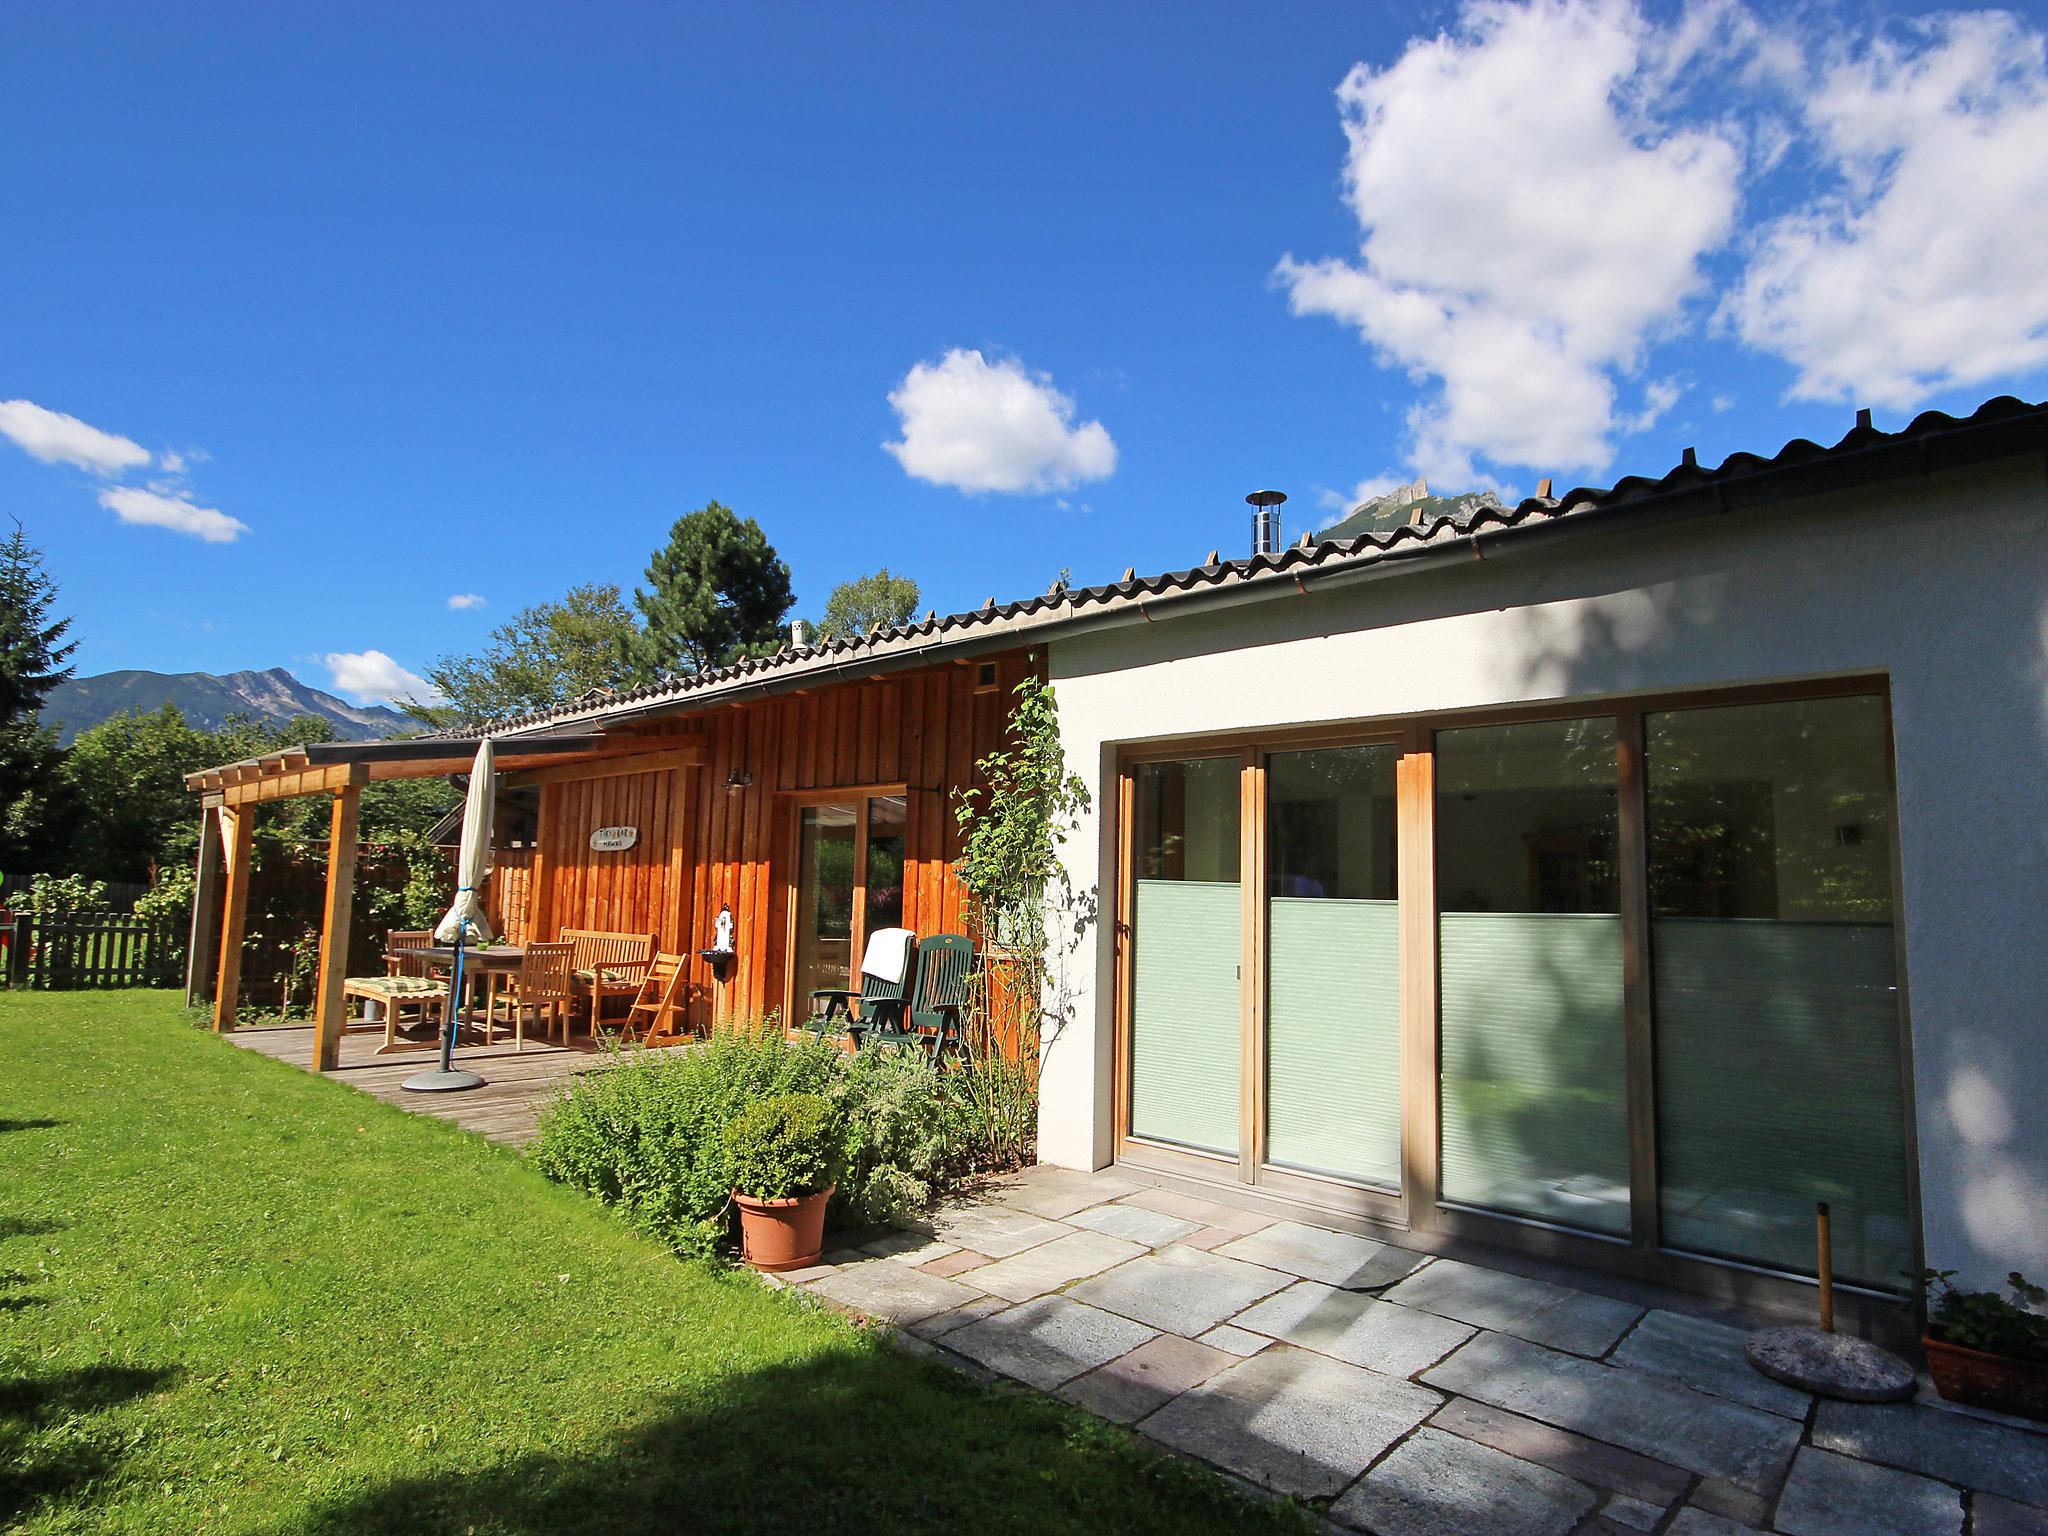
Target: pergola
x=231, y=794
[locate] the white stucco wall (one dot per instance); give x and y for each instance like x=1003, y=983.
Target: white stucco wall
x=1942, y=583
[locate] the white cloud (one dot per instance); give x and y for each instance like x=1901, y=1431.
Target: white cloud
x=461, y=600
x=371, y=677
x=56, y=438
x=165, y=506
x=1343, y=503
x=1529, y=222
x=1925, y=267
x=978, y=426
x=1659, y=395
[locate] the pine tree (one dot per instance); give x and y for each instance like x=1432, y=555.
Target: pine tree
x=716, y=593
x=34, y=659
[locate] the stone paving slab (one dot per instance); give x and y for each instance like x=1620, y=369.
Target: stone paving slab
x=958, y=1262
x=1157, y=1371
x=1647, y=1414
x=2012, y=1463
x=1047, y=1342
x=1552, y=1315
x=1434, y=1484
x=1036, y=1271
x=1194, y=1208
x=1697, y=1522
x=1830, y=1495
x=1589, y=1461
x=1210, y=1237
x=1315, y=1253
x=1708, y=1356
x=1992, y=1516
x=909, y=1248
x=1632, y=1514
x=1152, y=1228
x=1351, y=1326
x=1291, y=1421
x=1180, y=1290
x=995, y=1230
x=1234, y=1340
x=891, y=1292
x=940, y=1324
x=1057, y=1193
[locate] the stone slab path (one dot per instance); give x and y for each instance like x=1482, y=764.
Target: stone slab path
x=1404, y=1395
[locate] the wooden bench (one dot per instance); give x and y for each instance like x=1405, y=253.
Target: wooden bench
x=607, y=965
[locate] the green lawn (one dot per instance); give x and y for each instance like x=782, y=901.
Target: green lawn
x=235, y=1297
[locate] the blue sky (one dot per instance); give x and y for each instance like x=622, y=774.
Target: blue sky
x=431, y=300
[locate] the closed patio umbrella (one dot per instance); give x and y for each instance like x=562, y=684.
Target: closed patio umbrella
x=465, y=922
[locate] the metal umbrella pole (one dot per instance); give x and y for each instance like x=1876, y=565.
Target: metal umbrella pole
x=465, y=917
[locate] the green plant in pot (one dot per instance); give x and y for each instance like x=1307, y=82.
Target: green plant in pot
x=781, y=1152
x=1986, y=1349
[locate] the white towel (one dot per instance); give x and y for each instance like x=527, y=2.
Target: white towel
x=888, y=954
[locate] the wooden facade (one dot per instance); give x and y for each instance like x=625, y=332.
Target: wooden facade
x=724, y=834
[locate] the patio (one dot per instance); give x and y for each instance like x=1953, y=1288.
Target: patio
x=1407, y=1394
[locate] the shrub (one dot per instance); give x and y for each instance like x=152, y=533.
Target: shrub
x=997, y=1109
x=900, y=1134
x=648, y=1135
x=782, y=1147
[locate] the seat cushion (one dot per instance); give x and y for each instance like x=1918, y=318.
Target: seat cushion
x=393, y=986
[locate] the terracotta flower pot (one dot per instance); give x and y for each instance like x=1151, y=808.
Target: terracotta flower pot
x=782, y=1234
x=1999, y=1382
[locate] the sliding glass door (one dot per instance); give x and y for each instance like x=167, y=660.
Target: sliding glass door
x=849, y=882
x=1186, y=932
x=1780, y=1081
x=1333, y=965
x=1533, y=1096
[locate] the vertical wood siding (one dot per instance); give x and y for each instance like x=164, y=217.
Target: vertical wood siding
x=703, y=846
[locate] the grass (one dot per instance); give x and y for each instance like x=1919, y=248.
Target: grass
x=237, y=1298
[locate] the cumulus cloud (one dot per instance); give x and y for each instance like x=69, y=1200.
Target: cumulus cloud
x=980, y=425
x=165, y=506
x=1529, y=221
x=56, y=438
x=461, y=600
x=371, y=677
x=1924, y=266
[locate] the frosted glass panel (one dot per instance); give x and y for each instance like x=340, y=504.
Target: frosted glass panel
x=1184, y=1016
x=1780, y=1080
x=1333, y=1025
x=1534, y=1091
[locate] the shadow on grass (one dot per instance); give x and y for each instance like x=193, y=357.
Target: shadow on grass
x=860, y=1440
x=50, y=1443
x=27, y=1226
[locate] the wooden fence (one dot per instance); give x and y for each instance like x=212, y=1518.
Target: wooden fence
x=72, y=951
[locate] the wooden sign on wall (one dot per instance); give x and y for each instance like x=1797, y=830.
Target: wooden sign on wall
x=613, y=839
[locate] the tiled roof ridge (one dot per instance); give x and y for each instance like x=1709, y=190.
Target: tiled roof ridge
x=1687, y=474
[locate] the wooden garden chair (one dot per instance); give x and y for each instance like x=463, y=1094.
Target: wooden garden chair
x=653, y=1015
x=398, y=942
x=888, y=971
x=936, y=1020
x=541, y=986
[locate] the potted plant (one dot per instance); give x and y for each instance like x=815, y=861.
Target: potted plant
x=780, y=1154
x=1985, y=1349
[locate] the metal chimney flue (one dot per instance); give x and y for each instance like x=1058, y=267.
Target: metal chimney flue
x=1265, y=507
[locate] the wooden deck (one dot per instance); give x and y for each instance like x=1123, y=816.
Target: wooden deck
x=517, y=1084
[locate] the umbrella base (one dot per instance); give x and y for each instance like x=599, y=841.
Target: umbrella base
x=439, y=1081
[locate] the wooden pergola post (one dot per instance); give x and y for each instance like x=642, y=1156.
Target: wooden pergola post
x=330, y=1014
x=240, y=824
x=201, y=956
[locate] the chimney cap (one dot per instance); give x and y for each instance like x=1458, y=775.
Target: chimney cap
x=1266, y=498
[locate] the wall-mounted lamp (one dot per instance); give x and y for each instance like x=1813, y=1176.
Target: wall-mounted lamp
x=738, y=780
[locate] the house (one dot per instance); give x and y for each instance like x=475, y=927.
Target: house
x=1611, y=877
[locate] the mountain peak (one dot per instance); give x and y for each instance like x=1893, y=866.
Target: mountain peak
x=207, y=699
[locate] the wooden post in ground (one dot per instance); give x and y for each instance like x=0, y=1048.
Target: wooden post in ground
x=330, y=1013
x=201, y=954
x=240, y=822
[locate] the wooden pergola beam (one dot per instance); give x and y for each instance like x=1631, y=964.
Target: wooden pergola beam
x=240, y=825
x=686, y=756
x=330, y=1014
